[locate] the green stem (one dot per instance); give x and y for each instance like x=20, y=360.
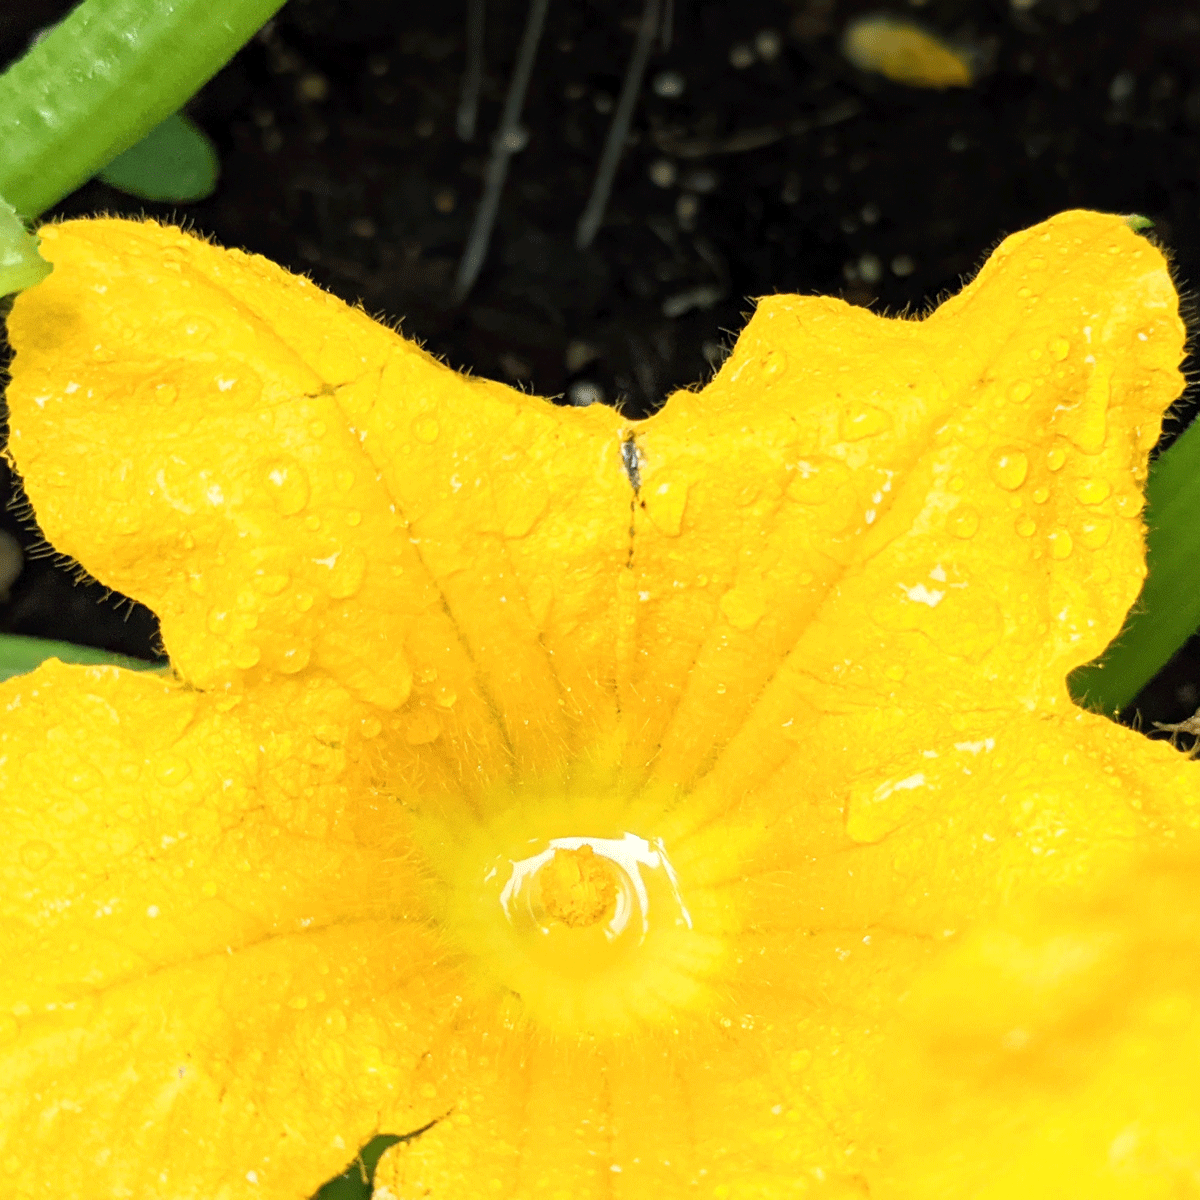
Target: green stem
x=1167, y=612
x=102, y=79
x=19, y=655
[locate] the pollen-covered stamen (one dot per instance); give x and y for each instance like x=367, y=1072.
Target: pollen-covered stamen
x=577, y=887
x=581, y=906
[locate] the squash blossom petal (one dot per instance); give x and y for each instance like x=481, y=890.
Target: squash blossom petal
x=584, y=793
x=1076, y=1031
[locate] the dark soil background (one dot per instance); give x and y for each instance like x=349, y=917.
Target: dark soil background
x=777, y=167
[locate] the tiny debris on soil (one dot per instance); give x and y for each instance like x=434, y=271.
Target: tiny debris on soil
x=758, y=160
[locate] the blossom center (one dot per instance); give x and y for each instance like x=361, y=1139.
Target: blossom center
x=586, y=930
x=578, y=887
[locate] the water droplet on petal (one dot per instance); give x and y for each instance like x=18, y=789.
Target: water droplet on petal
x=353, y=517
x=1021, y=390
x=743, y=606
x=81, y=778
x=1129, y=504
x=965, y=523
x=862, y=422
x=774, y=362
x=519, y=507
x=1026, y=526
x=1040, y=494
x=35, y=854
x=824, y=485
x=875, y=810
x=1061, y=544
x=245, y=655
x=1008, y=467
x=445, y=698
x=173, y=770
x=121, y=481
x=1092, y=491
x=268, y=583
x=344, y=479
x=1060, y=348
x=1094, y=532
x=287, y=485
x=371, y=727
x=1056, y=456
x=426, y=429
x=423, y=728
x=293, y=659
x=347, y=574
x=665, y=501
x=1086, y=424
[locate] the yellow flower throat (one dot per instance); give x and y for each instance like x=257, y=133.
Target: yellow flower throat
x=582, y=905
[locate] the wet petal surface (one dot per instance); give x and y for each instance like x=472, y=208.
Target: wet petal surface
x=617, y=779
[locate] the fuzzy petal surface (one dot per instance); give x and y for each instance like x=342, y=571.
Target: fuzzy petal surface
x=204, y=987
x=291, y=486
x=941, y=515
x=782, y=668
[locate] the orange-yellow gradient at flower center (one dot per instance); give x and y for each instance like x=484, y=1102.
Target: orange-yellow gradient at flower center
x=586, y=794
x=599, y=930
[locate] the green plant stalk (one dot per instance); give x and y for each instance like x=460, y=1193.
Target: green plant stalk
x=1167, y=612
x=102, y=79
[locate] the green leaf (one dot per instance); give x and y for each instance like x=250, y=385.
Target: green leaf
x=174, y=161
x=357, y=1181
x=19, y=655
x=1167, y=612
x=21, y=266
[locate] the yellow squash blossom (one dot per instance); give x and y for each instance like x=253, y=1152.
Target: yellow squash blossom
x=584, y=793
